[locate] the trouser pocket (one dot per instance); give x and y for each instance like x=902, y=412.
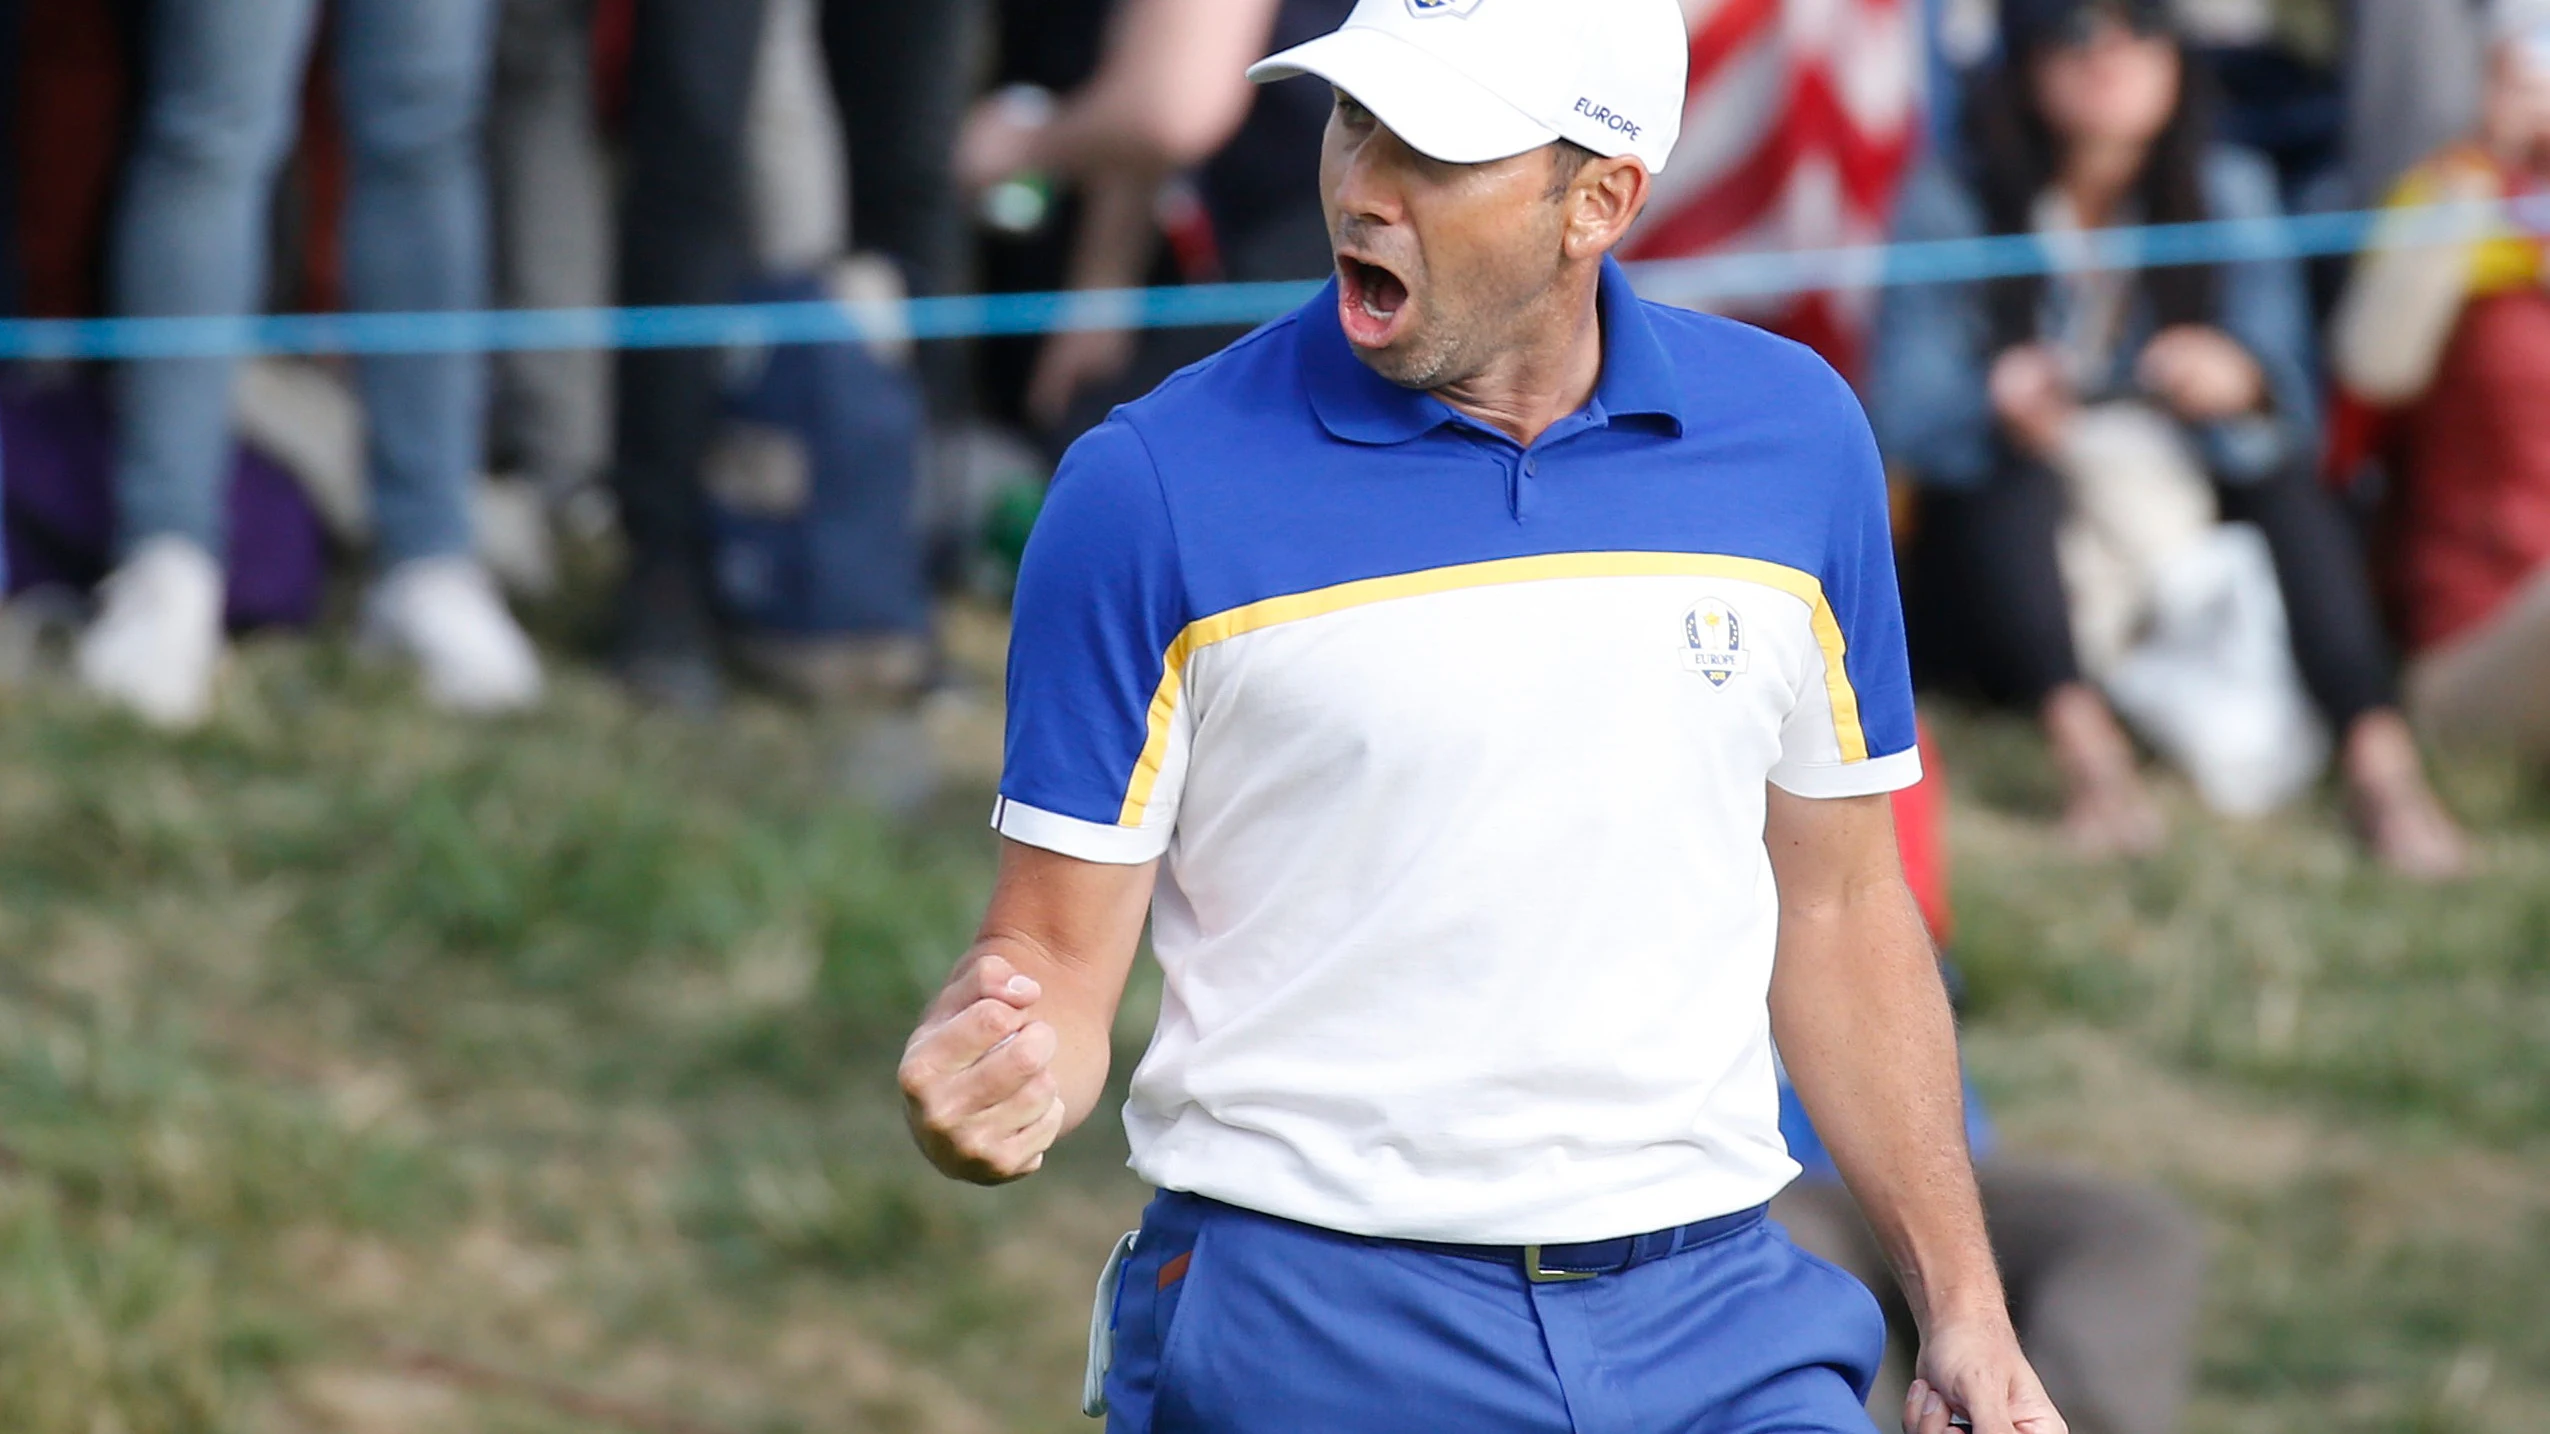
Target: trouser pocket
x=1149, y=1286
x=1102, y=1328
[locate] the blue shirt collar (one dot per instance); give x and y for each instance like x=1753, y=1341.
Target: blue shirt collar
x=1361, y=406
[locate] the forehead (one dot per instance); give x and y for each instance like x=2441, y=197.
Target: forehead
x=1349, y=122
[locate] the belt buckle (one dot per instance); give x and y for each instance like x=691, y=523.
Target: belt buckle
x=1532, y=1270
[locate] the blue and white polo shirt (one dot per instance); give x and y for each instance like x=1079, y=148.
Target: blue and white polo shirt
x=1455, y=753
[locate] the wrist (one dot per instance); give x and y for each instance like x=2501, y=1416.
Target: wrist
x=1958, y=1285
x=1962, y=1304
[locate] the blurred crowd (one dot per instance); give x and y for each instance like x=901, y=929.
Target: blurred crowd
x=2257, y=518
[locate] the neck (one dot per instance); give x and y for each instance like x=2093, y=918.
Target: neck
x=2096, y=178
x=1545, y=370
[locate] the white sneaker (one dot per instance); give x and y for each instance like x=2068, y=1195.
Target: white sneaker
x=156, y=641
x=445, y=616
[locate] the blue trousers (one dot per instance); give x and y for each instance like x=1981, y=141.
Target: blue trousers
x=217, y=119
x=1232, y=1322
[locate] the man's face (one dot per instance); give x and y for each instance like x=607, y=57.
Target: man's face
x=1437, y=263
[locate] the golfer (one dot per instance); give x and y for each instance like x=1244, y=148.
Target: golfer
x=1489, y=684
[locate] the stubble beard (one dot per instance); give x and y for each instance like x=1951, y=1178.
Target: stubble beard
x=1424, y=361
x=1455, y=347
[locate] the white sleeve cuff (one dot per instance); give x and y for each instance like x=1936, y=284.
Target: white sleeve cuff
x=1890, y=773
x=1089, y=841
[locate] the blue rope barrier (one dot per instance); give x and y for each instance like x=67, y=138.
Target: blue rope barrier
x=1695, y=281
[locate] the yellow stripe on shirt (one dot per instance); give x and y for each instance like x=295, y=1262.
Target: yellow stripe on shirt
x=1319, y=602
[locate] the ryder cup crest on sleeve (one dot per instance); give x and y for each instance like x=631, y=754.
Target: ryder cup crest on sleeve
x=1467, y=81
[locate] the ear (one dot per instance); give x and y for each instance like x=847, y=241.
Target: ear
x=1602, y=202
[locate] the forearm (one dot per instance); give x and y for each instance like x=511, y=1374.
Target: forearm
x=1864, y=1029
x=1013, y=1052
x=1112, y=247
x=2388, y=336
x=1170, y=90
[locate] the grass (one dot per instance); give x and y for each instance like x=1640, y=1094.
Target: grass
x=364, y=1072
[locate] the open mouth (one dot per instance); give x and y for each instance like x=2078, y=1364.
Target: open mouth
x=1372, y=301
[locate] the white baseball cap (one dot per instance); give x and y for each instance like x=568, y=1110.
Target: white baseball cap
x=1467, y=81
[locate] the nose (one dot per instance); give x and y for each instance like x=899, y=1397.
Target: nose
x=1367, y=187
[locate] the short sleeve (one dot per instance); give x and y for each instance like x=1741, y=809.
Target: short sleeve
x=1095, y=747
x=1851, y=733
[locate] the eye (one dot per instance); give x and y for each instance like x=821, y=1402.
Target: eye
x=1350, y=113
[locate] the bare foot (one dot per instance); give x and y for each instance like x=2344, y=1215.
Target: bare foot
x=2107, y=811
x=2398, y=814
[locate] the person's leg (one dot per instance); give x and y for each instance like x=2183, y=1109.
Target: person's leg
x=190, y=239
x=413, y=84
x=552, y=230
x=1228, y=1322
x=2104, y=1282
x=682, y=241
x=2347, y=665
x=2000, y=542
x=1825, y=1222
x=901, y=74
x=1746, y=1334
x=12, y=59
x=2491, y=687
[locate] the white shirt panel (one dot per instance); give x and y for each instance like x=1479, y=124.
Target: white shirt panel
x=1484, y=864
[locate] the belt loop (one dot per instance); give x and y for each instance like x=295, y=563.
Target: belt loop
x=1654, y=1245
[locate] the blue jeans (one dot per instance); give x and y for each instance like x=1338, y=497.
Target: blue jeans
x=1230, y=1322
x=218, y=119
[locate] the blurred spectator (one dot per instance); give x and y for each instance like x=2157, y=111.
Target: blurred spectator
x=2277, y=67
x=2104, y=1276
x=2456, y=342
x=2003, y=398
x=2412, y=82
x=12, y=59
x=1170, y=93
x=217, y=120
x=1798, y=127
x=550, y=415
x=810, y=482
x=686, y=238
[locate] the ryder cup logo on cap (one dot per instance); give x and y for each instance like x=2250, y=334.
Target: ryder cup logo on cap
x=1513, y=76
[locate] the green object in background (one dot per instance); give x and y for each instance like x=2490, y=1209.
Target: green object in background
x=1018, y=207
x=1007, y=521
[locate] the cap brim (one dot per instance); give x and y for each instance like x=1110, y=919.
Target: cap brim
x=1437, y=110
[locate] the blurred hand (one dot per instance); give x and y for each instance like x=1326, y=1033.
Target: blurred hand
x=997, y=142
x=2202, y=373
x=1073, y=361
x=2031, y=397
x=1972, y=1369
x=977, y=1076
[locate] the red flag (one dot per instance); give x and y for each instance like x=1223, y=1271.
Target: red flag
x=1798, y=124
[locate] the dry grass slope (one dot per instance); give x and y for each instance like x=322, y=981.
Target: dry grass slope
x=363, y=1073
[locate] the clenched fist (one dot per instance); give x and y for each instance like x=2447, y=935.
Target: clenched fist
x=978, y=1080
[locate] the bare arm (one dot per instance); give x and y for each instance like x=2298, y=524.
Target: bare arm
x=2387, y=338
x=1112, y=250
x=1172, y=86
x=1013, y=1053
x=1863, y=1026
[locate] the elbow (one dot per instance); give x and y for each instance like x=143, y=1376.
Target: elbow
x=2384, y=377
x=1186, y=130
